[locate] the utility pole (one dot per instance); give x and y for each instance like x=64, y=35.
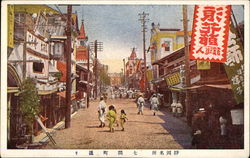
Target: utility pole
x=187, y=65
x=95, y=69
x=68, y=68
x=124, y=72
x=24, y=47
x=88, y=76
x=98, y=46
x=143, y=20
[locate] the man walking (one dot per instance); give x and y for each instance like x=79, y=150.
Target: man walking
x=154, y=103
x=101, y=111
x=140, y=104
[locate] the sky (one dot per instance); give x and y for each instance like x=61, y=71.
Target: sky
x=118, y=27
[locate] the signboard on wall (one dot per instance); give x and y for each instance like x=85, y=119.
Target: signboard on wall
x=234, y=65
x=173, y=79
x=11, y=26
x=210, y=33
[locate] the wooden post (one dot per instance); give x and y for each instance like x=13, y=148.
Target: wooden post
x=88, y=79
x=187, y=65
x=68, y=69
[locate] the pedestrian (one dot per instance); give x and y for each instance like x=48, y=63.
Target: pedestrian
x=179, y=109
x=116, y=121
x=123, y=118
x=173, y=106
x=101, y=111
x=140, y=104
x=154, y=103
x=223, y=130
x=111, y=116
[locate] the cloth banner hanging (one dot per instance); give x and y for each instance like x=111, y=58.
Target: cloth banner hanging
x=210, y=33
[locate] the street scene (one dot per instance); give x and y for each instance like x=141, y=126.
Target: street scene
x=141, y=131
x=109, y=76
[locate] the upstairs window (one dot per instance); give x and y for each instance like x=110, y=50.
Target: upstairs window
x=38, y=67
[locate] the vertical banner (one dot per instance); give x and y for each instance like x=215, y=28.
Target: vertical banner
x=234, y=65
x=210, y=33
x=203, y=65
x=10, y=26
x=149, y=75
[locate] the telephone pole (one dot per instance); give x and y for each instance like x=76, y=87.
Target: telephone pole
x=68, y=68
x=143, y=19
x=98, y=46
x=187, y=65
x=124, y=72
x=88, y=76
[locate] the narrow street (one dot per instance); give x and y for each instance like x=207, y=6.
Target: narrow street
x=141, y=131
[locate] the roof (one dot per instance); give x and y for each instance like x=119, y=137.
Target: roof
x=82, y=32
x=133, y=54
x=168, y=56
x=34, y=9
x=78, y=66
x=169, y=29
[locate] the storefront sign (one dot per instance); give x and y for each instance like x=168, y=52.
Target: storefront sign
x=11, y=26
x=38, y=46
x=173, y=79
x=234, y=65
x=203, y=65
x=210, y=33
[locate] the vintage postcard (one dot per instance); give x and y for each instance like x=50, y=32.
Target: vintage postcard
x=125, y=79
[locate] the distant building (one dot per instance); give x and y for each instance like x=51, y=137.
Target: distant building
x=115, y=79
x=134, y=71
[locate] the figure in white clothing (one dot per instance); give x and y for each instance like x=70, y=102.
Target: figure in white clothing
x=140, y=104
x=179, y=109
x=173, y=106
x=154, y=103
x=223, y=122
x=102, y=111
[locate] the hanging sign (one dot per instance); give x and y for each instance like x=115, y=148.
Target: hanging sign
x=234, y=65
x=210, y=33
x=203, y=65
x=149, y=75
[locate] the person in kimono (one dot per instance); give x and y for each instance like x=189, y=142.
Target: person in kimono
x=154, y=103
x=123, y=119
x=102, y=111
x=140, y=104
x=111, y=116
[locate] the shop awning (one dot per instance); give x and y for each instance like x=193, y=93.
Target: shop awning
x=180, y=88
x=46, y=92
x=63, y=94
x=13, y=89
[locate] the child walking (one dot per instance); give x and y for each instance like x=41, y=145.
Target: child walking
x=111, y=116
x=123, y=119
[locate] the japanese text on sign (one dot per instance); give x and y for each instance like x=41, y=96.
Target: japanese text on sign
x=173, y=79
x=234, y=65
x=210, y=33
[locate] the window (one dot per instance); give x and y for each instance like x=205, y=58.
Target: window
x=38, y=67
x=166, y=45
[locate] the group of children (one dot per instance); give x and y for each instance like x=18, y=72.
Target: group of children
x=112, y=118
x=111, y=115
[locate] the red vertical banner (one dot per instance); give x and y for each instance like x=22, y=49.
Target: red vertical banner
x=210, y=33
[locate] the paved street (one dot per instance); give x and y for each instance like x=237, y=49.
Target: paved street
x=141, y=131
